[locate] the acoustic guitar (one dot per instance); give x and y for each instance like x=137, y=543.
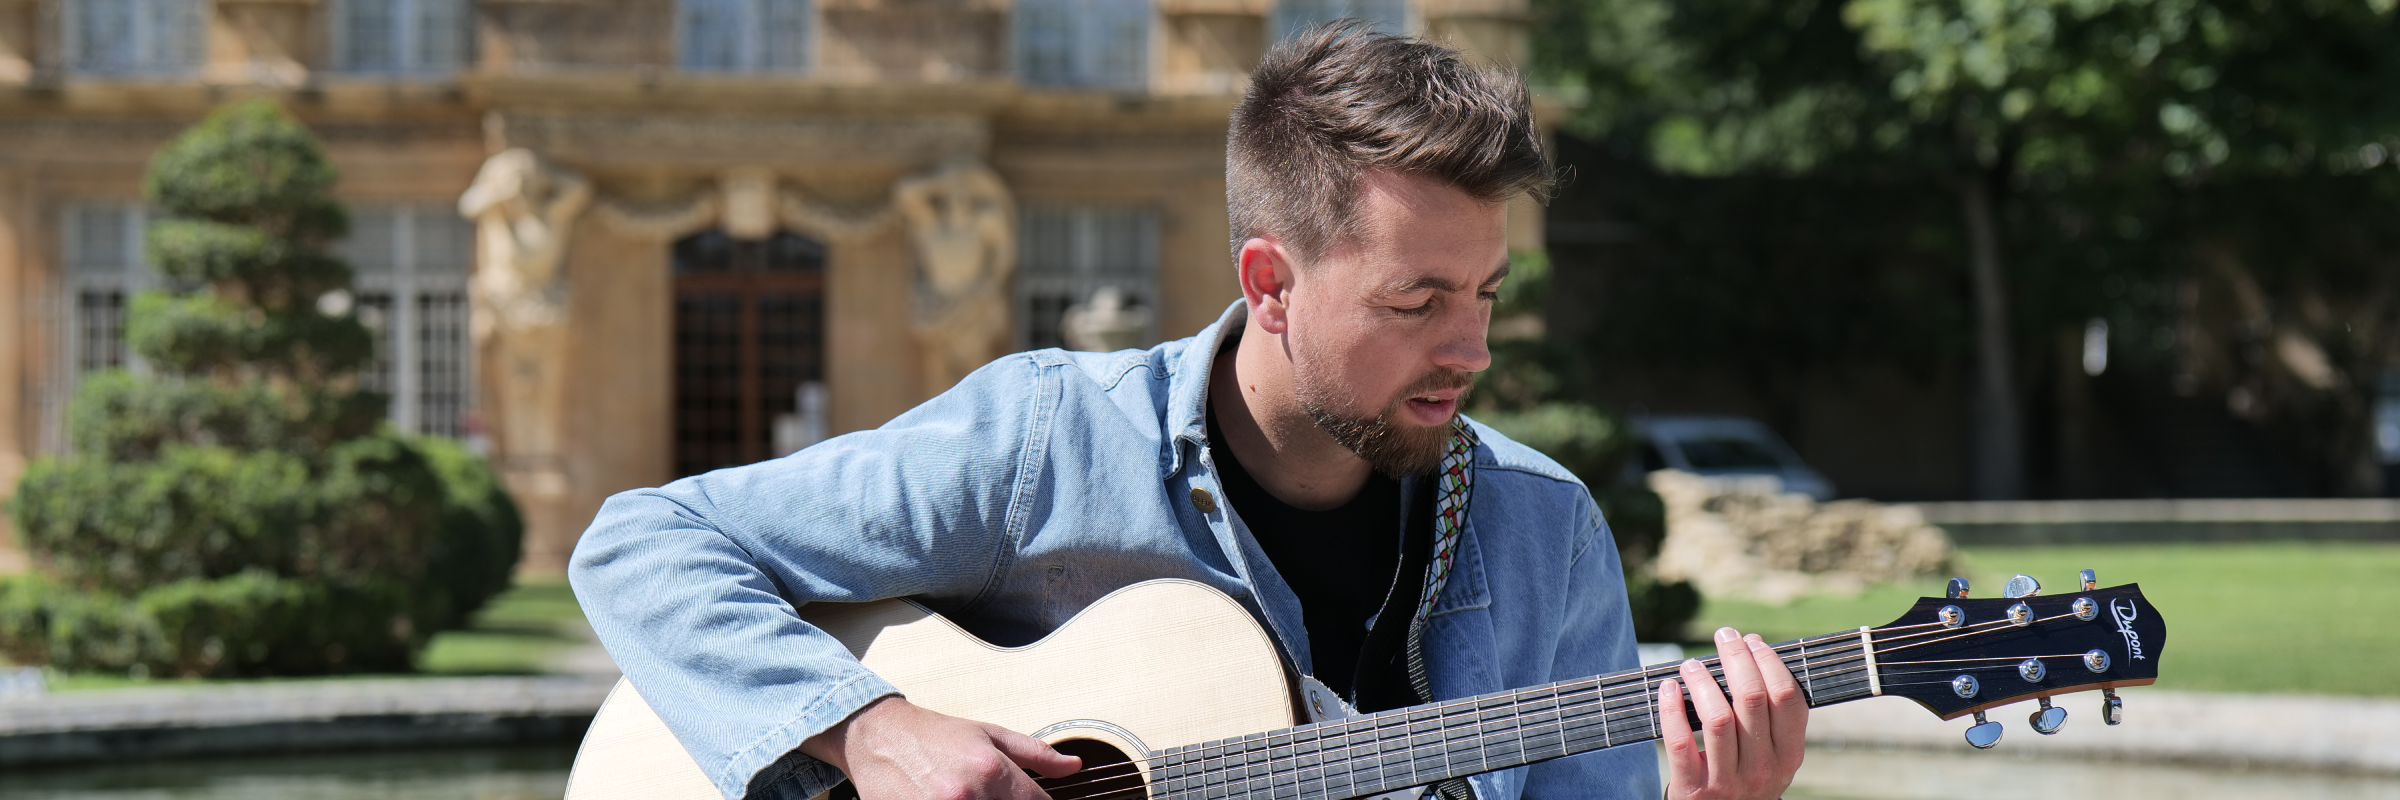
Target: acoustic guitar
x=1169, y=689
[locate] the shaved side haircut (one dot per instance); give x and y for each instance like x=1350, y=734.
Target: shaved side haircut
x=1328, y=105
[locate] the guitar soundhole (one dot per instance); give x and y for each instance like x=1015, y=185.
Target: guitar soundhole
x=1107, y=774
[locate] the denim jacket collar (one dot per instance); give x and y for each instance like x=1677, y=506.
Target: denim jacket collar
x=1187, y=386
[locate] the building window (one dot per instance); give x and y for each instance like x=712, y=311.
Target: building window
x=411, y=262
x=105, y=265
x=1295, y=17
x=1066, y=254
x=1084, y=43
x=745, y=35
x=134, y=37
x=400, y=37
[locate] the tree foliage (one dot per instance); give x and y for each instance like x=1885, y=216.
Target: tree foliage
x=2102, y=156
x=239, y=506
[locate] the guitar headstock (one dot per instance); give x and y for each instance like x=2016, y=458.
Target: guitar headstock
x=1958, y=655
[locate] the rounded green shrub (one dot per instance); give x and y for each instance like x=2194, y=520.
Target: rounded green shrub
x=240, y=507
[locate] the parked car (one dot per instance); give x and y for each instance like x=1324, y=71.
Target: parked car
x=1715, y=445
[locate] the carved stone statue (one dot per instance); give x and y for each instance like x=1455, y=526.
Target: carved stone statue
x=523, y=209
x=963, y=226
x=1108, y=322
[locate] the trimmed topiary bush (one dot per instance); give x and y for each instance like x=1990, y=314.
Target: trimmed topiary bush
x=239, y=507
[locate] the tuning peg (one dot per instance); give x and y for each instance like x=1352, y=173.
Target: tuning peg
x=1984, y=734
x=2112, y=710
x=2047, y=720
x=2021, y=586
x=1958, y=589
x=2091, y=580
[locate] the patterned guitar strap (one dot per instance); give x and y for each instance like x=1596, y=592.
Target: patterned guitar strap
x=1454, y=485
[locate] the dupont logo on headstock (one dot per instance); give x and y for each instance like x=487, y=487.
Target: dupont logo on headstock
x=2125, y=613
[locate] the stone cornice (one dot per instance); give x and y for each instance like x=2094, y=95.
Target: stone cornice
x=596, y=139
x=654, y=90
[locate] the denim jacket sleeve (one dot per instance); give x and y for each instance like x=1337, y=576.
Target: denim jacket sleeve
x=1596, y=639
x=693, y=586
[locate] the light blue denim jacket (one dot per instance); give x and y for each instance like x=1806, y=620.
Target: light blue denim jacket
x=1040, y=483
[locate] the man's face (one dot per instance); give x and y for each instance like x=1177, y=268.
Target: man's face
x=1387, y=328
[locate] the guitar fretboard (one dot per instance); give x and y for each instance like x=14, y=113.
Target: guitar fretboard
x=1401, y=748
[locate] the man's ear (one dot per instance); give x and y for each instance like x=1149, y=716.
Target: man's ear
x=1266, y=275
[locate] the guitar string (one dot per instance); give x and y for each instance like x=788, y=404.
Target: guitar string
x=1616, y=688
x=1799, y=646
x=1618, y=708
x=1964, y=660
x=1583, y=732
x=1969, y=631
x=1612, y=707
x=1609, y=692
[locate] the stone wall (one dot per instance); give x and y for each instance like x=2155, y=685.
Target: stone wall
x=1745, y=538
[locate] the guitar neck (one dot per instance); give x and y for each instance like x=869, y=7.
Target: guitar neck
x=1401, y=748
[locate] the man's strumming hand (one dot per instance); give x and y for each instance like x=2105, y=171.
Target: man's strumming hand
x=894, y=750
x=1753, y=739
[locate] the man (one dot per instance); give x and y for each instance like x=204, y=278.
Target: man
x=1284, y=456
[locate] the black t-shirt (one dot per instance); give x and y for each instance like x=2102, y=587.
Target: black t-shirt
x=1342, y=563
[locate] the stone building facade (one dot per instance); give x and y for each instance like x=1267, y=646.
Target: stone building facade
x=620, y=241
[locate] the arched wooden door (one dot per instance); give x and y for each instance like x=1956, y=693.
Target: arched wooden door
x=749, y=333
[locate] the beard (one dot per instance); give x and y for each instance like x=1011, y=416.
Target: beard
x=1395, y=448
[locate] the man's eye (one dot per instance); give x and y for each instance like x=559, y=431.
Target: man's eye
x=1418, y=310
x=1492, y=296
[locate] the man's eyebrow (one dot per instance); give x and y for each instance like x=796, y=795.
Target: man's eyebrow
x=1439, y=283
x=1420, y=283
x=1497, y=274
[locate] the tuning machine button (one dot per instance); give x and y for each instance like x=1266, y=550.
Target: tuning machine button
x=2091, y=580
x=2021, y=586
x=1957, y=590
x=1984, y=734
x=2112, y=710
x=1952, y=616
x=2048, y=719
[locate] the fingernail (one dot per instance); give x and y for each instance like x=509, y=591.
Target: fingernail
x=1726, y=634
x=1754, y=639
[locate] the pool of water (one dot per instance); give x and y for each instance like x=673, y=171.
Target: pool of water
x=528, y=773
x=541, y=774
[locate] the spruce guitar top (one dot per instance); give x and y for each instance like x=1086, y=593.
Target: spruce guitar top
x=1168, y=689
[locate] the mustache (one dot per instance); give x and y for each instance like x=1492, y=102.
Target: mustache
x=1441, y=380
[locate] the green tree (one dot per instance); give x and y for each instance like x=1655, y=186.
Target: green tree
x=238, y=506
x=2055, y=124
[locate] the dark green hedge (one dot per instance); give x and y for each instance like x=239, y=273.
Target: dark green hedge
x=216, y=604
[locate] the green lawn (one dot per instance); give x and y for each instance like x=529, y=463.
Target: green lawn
x=518, y=633
x=2291, y=617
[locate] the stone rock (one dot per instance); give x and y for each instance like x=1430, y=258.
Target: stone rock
x=1745, y=537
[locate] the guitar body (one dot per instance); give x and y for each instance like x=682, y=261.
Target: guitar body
x=1154, y=665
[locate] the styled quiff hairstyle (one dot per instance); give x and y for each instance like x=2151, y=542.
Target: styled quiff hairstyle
x=1329, y=105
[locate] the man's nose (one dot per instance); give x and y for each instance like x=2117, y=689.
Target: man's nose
x=1465, y=346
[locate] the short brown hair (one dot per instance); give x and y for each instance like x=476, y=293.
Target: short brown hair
x=1328, y=105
